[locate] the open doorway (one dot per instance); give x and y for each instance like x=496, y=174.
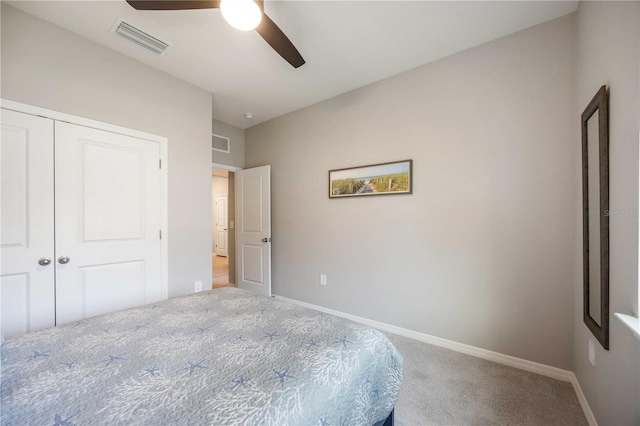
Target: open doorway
x=223, y=235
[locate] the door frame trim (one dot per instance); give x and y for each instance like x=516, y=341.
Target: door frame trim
x=99, y=125
x=225, y=167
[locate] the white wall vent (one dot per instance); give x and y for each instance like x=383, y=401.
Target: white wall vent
x=220, y=143
x=139, y=37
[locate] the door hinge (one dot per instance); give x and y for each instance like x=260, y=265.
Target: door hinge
x=160, y=163
x=160, y=233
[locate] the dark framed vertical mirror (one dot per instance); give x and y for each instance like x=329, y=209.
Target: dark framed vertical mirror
x=595, y=218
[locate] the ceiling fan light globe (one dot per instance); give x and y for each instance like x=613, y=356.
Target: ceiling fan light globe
x=244, y=15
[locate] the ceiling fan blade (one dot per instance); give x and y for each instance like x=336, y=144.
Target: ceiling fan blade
x=173, y=4
x=279, y=42
x=267, y=29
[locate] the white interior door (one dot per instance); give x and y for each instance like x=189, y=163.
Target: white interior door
x=253, y=232
x=108, y=213
x=221, y=225
x=26, y=222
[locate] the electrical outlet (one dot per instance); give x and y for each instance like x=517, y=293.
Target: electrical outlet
x=197, y=286
x=592, y=353
x=323, y=279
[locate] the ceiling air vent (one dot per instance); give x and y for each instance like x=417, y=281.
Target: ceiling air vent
x=139, y=37
x=220, y=143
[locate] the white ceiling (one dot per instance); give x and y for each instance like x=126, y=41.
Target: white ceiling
x=346, y=44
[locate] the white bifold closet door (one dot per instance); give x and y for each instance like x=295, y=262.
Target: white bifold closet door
x=89, y=202
x=26, y=218
x=107, y=197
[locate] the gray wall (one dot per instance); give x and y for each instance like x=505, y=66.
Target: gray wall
x=236, y=144
x=49, y=67
x=609, y=53
x=483, y=251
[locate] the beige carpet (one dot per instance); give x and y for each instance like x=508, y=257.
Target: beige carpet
x=220, y=271
x=443, y=387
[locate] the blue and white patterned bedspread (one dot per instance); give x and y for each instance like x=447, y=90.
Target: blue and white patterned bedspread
x=219, y=357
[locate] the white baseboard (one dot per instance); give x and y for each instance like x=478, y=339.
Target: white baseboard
x=591, y=419
x=511, y=361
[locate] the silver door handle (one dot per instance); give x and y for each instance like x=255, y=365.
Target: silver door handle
x=44, y=261
x=63, y=260
x=266, y=240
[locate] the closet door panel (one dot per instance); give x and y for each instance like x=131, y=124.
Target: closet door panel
x=112, y=208
x=109, y=288
x=26, y=223
x=107, y=222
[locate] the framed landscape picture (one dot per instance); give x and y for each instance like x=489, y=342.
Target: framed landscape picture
x=377, y=179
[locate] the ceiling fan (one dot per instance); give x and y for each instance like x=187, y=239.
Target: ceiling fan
x=267, y=29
